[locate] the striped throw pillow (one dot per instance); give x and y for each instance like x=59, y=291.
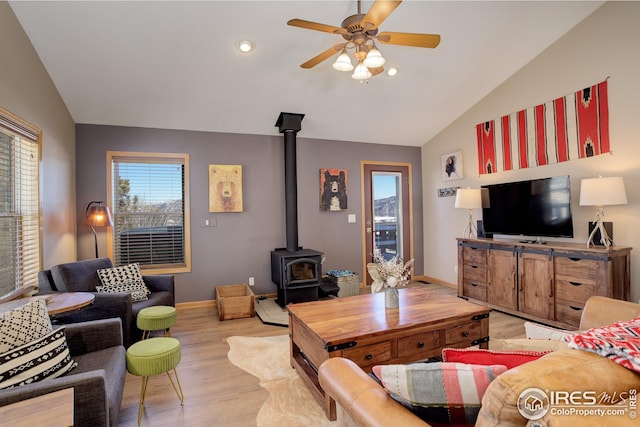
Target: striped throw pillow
x=439, y=392
x=46, y=357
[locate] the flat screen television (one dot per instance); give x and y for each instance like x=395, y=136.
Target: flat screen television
x=536, y=208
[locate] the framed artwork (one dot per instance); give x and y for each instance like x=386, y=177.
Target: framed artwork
x=225, y=188
x=452, y=166
x=447, y=192
x=333, y=189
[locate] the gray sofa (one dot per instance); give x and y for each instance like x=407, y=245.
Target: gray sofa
x=97, y=381
x=81, y=276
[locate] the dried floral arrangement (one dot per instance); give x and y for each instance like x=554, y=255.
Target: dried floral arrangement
x=391, y=273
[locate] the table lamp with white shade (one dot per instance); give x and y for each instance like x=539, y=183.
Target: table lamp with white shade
x=600, y=192
x=469, y=198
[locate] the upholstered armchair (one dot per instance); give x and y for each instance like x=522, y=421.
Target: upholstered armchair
x=81, y=276
x=98, y=379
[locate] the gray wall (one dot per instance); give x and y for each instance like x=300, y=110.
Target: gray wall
x=239, y=245
x=27, y=91
x=602, y=46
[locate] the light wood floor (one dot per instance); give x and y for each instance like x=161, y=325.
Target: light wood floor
x=218, y=393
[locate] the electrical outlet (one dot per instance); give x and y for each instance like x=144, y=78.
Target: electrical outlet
x=251, y=281
x=455, y=269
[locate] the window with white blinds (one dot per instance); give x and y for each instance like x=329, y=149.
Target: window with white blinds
x=148, y=199
x=20, y=258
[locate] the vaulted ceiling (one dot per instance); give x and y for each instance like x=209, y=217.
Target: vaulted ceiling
x=174, y=64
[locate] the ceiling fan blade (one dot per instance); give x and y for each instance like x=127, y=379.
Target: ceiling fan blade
x=410, y=39
x=323, y=56
x=376, y=70
x=378, y=13
x=315, y=26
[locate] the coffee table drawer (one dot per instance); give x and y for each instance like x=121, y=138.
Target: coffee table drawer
x=421, y=345
x=369, y=354
x=464, y=333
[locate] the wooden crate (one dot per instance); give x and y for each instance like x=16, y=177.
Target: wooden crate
x=235, y=301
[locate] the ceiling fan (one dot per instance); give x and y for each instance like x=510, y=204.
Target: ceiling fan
x=360, y=32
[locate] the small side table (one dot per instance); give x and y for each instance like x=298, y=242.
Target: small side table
x=60, y=304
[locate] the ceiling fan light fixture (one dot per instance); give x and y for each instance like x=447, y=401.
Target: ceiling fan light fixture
x=245, y=46
x=343, y=62
x=361, y=72
x=361, y=31
x=374, y=58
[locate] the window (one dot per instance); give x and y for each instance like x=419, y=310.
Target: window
x=20, y=258
x=149, y=202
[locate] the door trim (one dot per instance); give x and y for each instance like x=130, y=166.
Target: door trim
x=364, y=163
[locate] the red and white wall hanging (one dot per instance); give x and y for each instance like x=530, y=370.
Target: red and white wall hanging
x=574, y=126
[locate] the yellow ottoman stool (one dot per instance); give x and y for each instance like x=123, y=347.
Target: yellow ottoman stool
x=159, y=317
x=153, y=357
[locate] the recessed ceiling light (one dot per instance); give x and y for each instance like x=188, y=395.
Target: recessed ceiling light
x=392, y=71
x=245, y=46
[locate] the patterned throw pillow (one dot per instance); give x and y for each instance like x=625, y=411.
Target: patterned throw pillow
x=619, y=342
x=126, y=278
x=24, y=324
x=440, y=392
x=111, y=276
x=138, y=290
x=46, y=357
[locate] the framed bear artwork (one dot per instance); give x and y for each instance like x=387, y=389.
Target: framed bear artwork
x=225, y=188
x=333, y=189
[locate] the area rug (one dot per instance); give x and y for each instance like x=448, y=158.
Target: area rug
x=290, y=403
x=270, y=312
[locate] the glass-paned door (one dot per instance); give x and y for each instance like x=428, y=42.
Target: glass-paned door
x=387, y=215
x=387, y=211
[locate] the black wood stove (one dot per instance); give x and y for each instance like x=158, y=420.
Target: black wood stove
x=297, y=272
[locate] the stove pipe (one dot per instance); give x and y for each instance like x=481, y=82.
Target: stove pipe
x=289, y=124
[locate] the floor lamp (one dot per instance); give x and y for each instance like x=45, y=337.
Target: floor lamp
x=97, y=216
x=600, y=192
x=469, y=198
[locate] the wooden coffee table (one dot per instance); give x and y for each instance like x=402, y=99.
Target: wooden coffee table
x=361, y=329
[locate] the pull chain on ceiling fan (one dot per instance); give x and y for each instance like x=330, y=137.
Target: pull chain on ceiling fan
x=360, y=32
